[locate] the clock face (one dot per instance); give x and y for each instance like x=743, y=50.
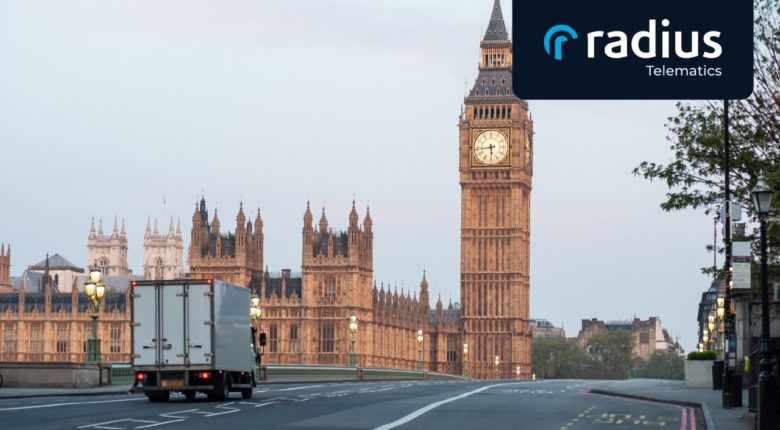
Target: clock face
x=491, y=147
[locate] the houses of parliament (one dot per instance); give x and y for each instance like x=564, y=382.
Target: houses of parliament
x=305, y=313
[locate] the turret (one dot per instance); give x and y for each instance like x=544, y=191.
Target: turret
x=92, y=229
x=353, y=231
x=424, y=304
x=323, y=222
x=170, y=229
x=115, y=231
x=148, y=233
x=123, y=233
x=241, y=230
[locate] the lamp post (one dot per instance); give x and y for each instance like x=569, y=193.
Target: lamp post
x=255, y=313
x=353, y=326
x=762, y=199
x=95, y=291
x=420, y=339
x=465, y=360
x=497, y=361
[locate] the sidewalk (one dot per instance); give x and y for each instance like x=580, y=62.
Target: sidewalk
x=7, y=393
x=674, y=391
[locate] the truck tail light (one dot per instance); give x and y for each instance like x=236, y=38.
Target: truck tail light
x=139, y=376
x=204, y=375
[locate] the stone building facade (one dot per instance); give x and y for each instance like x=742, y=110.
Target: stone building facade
x=496, y=168
x=163, y=253
x=305, y=314
x=5, y=268
x=38, y=323
x=233, y=257
x=109, y=252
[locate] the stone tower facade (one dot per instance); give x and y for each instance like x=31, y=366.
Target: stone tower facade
x=496, y=144
x=236, y=258
x=163, y=253
x=109, y=252
x=5, y=267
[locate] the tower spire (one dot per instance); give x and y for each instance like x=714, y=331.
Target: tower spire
x=496, y=31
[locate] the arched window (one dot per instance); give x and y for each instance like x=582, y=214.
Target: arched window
x=330, y=288
x=103, y=265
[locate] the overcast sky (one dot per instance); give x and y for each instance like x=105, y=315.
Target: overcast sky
x=108, y=106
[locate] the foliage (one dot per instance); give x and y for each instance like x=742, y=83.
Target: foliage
x=612, y=352
x=703, y=355
x=663, y=365
x=695, y=174
x=559, y=358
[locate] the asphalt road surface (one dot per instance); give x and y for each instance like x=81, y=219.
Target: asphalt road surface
x=429, y=405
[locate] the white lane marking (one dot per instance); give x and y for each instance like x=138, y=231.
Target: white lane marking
x=298, y=388
x=104, y=425
x=53, y=405
x=265, y=404
x=421, y=411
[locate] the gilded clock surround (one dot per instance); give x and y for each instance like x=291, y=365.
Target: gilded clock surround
x=505, y=162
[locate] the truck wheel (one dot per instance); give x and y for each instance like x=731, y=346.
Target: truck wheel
x=246, y=393
x=190, y=395
x=221, y=391
x=159, y=397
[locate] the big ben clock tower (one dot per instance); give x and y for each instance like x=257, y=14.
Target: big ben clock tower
x=496, y=166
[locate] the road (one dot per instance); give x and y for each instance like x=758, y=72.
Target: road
x=429, y=405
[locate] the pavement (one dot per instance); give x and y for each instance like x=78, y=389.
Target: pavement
x=710, y=400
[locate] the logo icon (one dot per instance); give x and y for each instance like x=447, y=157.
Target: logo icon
x=556, y=35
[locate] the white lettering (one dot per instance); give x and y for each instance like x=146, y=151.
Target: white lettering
x=621, y=44
x=592, y=36
x=717, y=50
x=637, y=40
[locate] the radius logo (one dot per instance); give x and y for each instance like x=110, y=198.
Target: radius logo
x=555, y=37
x=645, y=50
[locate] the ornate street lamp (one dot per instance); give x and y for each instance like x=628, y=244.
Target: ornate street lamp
x=721, y=311
x=705, y=336
x=762, y=199
x=711, y=323
x=465, y=360
x=497, y=361
x=353, y=327
x=95, y=291
x=420, y=339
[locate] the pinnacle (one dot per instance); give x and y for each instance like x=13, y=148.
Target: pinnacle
x=496, y=31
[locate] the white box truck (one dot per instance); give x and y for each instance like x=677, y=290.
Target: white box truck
x=192, y=336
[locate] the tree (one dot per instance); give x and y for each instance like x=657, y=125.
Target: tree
x=663, y=365
x=695, y=174
x=612, y=350
x=559, y=358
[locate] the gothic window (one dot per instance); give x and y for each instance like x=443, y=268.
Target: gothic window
x=327, y=337
x=294, y=338
x=103, y=264
x=116, y=340
x=452, y=348
x=273, y=336
x=159, y=271
x=36, y=338
x=62, y=338
x=329, y=292
x=9, y=339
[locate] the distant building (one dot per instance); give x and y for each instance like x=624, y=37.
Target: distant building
x=63, y=275
x=5, y=268
x=108, y=252
x=543, y=329
x=649, y=336
x=163, y=253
